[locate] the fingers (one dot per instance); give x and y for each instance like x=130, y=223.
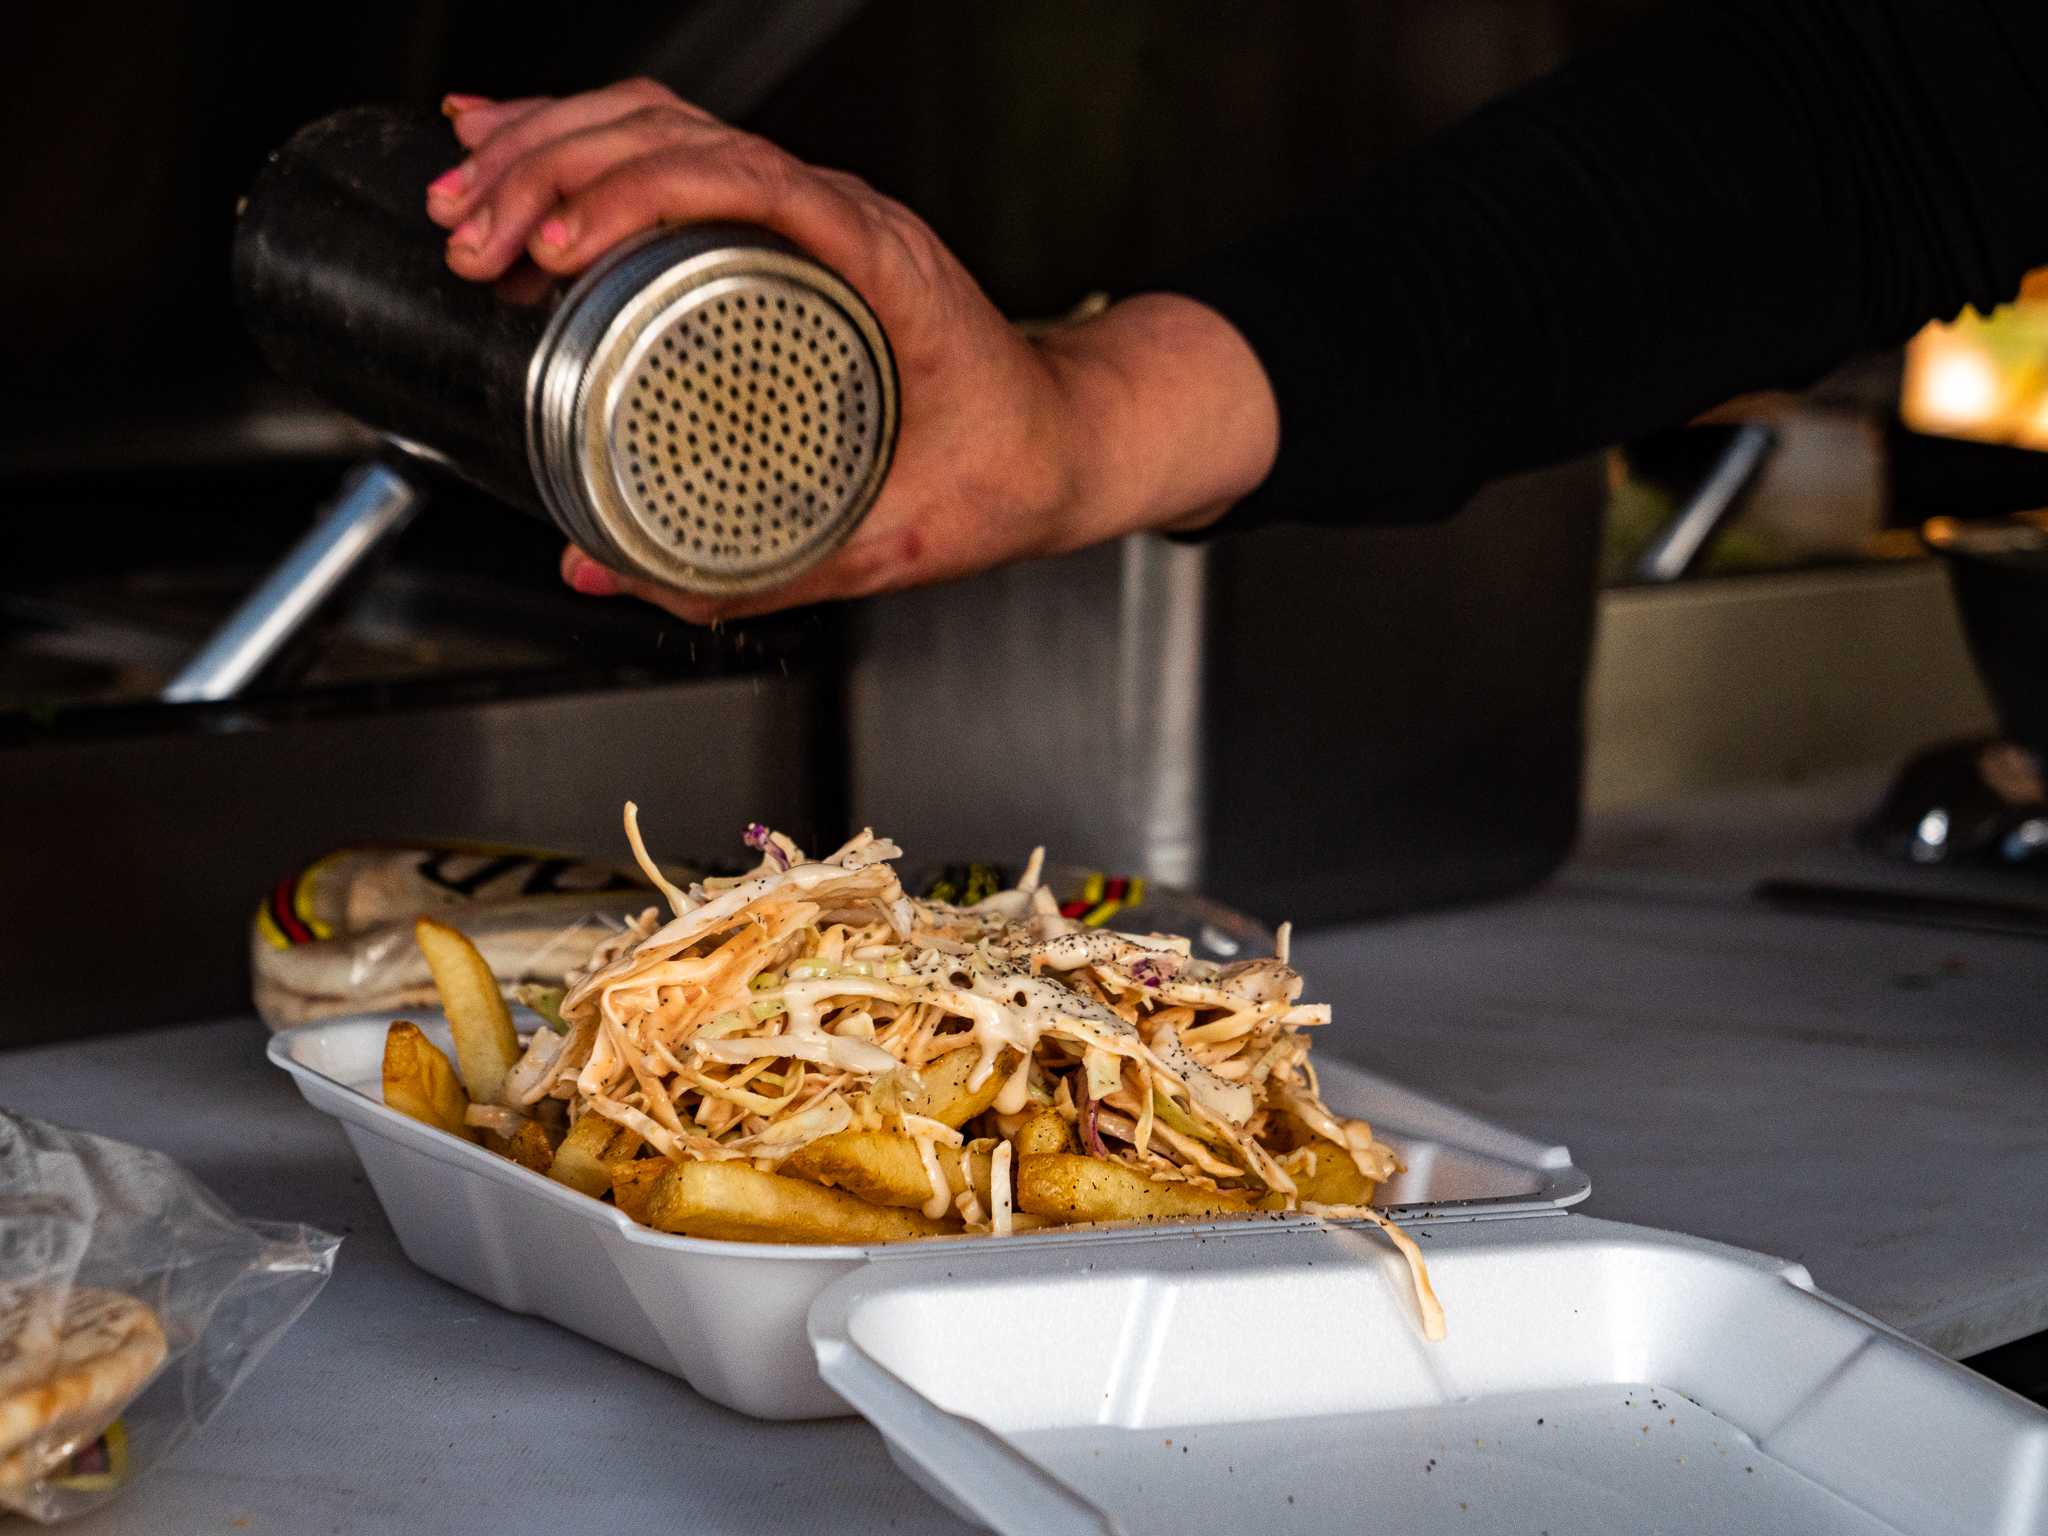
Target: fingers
x=454, y=196
x=564, y=181
x=476, y=118
x=827, y=581
x=500, y=135
x=720, y=175
x=586, y=576
x=505, y=216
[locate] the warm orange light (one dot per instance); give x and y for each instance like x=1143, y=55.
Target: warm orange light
x=1984, y=377
x=1960, y=389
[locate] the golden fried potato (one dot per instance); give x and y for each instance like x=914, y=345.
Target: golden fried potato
x=1336, y=1180
x=627, y=1144
x=419, y=1081
x=739, y=1202
x=1073, y=1187
x=1044, y=1130
x=580, y=1160
x=944, y=1095
x=632, y=1183
x=885, y=1168
x=528, y=1146
x=485, y=1042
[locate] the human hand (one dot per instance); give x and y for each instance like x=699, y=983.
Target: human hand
x=1155, y=414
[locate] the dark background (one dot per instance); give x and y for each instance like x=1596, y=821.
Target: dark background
x=150, y=468
x=1058, y=146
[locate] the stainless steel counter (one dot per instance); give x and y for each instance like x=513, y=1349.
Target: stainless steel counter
x=1868, y=1098
x=1864, y=1098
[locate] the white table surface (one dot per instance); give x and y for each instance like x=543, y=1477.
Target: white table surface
x=1869, y=1099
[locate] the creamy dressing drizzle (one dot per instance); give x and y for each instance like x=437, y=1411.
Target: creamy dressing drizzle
x=999, y=1189
x=1016, y=1090
x=1008, y=1006
x=941, y=1200
x=998, y=989
x=997, y=966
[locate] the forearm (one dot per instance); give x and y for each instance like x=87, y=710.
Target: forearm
x=1170, y=414
x=1735, y=198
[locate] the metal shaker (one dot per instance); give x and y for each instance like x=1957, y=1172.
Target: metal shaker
x=707, y=406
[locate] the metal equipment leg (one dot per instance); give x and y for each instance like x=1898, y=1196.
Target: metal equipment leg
x=376, y=501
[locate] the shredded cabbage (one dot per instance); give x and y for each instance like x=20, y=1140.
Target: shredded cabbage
x=804, y=998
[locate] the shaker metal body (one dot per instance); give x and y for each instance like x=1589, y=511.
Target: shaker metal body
x=707, y=406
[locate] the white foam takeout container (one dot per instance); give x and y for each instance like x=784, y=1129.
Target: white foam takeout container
x=1264, y=1376
x=1596, y=1378
x=729, y=1317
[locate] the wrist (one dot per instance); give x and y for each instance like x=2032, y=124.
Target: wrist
x=1167, y=417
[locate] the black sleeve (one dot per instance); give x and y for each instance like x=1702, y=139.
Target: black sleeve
x=1736, y=196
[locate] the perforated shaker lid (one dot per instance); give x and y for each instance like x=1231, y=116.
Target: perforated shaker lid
x=719, y=413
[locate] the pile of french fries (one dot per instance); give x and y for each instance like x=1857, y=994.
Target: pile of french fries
x=646, y=1088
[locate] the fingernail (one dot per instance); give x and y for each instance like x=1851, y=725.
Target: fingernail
x=455, y=102
x=592, y=579
x=448, y=183
x=473, y=230
x=556, y=234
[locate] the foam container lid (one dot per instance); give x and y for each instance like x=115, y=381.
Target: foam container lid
x=1596, y=1378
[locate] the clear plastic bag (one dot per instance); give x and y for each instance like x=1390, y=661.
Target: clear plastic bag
x=132, y=1303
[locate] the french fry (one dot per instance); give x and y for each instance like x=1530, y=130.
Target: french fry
x=626, y=1145
x=885, y=1168
x=419, y=1081
x=770, y=1009
x=579, y=1161
x=1072, y=1187
x=738, y=1202
x=632, y=1183
x=1336, y=1180
x=1044, y=1130
x=528, y=1146
x=486, y=1045
x=945, y=1095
